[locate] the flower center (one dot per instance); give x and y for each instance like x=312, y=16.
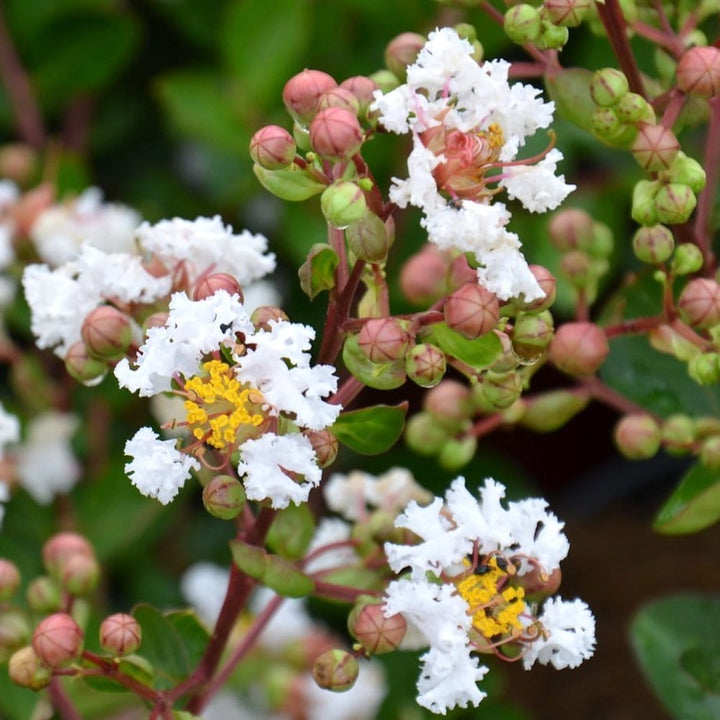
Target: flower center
x=218, y=406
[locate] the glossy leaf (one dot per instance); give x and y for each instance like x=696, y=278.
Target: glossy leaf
x=289, y=183
x=381, y=376
x=373, y=430
x=271, y=570
x=693, y=505
x=317, y=273
x=291, y=532
x=479, y=353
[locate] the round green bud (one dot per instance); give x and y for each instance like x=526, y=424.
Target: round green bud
x=455, y=453
x=606, y=123
x=424, y=435
x=385, y=80
x=664, y=63
x=602, y=242
x=678, y=434
x=578, y=268
x=335, y=670
x=343, y=203
x=368, y=238
x=522, y=23
x=15, y=631
x=43, y=595
x=638, y=436
x=532, y=334
x=608, y=86
x=552, y=37
x=224, y=497
x=704, y=368
x=687, y=171
x=653, y=244
x=425, y=365
x=501, y=390
x=644, y=209
x=710, y=452
x=633, y=107
x=674, y=203
x=26, y=670
x=688, y=259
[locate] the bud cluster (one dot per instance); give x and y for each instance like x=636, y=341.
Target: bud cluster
x=545, y=26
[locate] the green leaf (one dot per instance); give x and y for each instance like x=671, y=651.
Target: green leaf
x=373, y=430
x=479, y=353
x=16, y=703
x=693, y=505
x=271, y=570
x=317, y=273
x=679, y=655
x=381, y=376
x=133, y=666
x=289, y=183
x=552, y=410
x=249, y=558
x=291, y=532
x=570, y=90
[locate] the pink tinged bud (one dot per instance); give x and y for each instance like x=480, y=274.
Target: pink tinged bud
x=571, y=229
x=450, y=403
x=60, y=547
x=106, y=332
x=383, y=340
x=699, y=303
x=633, y=108
x=522, y=23
x=425, y=365
x=653, y=244
x=644, y=208
x=120, y=634
x=82, y=366
x=210, y=284
x=710, y=452
x=501, y=390
x=57, y=640
x=679, y=434
x=548, y=284
x=263, y=315
x=608, y=86
x=472, y=310
x=532, y=334
x=369, y=238
x=698, y=72
x=339, y=97
x=674, y=203
x=376, y=633
x=335, y=670
x=343, y=203
x=9, y=579
x=44, y=595
x=578, y=267
x=460, y=273
x=403, y=51
x=80, y=574
x=273, y=147
x=579, y=348
x=362, y=88
x=26, y=670
x=335, y=133
x=158, y=319
x=423, y=277
x=638, y=436
x=27, y=210
x=325, y=445
x=224, y=497
x=302, y=92
x=14, y=631
x=655, y=147
x=566, y=13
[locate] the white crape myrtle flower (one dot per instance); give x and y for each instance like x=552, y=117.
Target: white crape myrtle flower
x=46, y=464
x=9, y=429
x=204, y=586
x=157, y=469
x=61, y=230
x=468, y=124
x=207, y=245
x=4, y=497
x=329, y=532
x=463, y=584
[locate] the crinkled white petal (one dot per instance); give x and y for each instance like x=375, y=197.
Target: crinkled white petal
x=570, y=629
x=474, y=227
x=158, y=469
x=204, y=586
x=267, y=460
x=505, y=272
x=9, y=429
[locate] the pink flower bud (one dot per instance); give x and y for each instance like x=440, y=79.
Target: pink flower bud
x=335, y=133
x=577, y=267
x=30, y=206
x=26, y=670
x=450, y=403
x=262, y=316
x=567, y=13
x=383, y=340
x=548, y=284
x=531, y=334
x=571, y=229
x=362, y=88
x=224, y=497
x=9, y=579
x=158, y=319
x=423, y=277
x=62, y=546
x=699, y=303
x=472, y=310
x=339, y=97
x=579, y=348
x=638, y=436
x=120, y=634
x=57, y=640
x=302, y=93
x=425, y=365
x=82, y=367
x=376, y=633
x=80, y=574
x=106, y=332
x=653, y=244
x=698, y=72
x=210, y=284
x=655, y=147
x=325, y=445
x=272, y=147
x=335, y=670
x=403, y=51
x=43, y=595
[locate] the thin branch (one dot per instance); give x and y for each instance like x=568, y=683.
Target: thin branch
x=61, y=702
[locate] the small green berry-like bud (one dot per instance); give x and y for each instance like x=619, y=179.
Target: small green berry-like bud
x=424, y=435
x=553, y=37
x=376, y=633
x=674, y=203
x=325, y=445
x=43, y=595
x=523, y=23
x=687, y=259
x=552, y=410
x=579, y=348
x=343, y=203
x=455, y=453
x=501, y=390
x=425, y=365
x=335, y=133
x=224, y=497
x=208, y=285
x=14, y=631
x=302, y=92
x=335, y=670
x=26, y=670
x=273, y=147
x=402, y=51
x=120, y=634
x=262, y=316
x=368, y=238
x=532, y=334
x=57, y=639
x=678, y=434
x=633, y=108
x=710, y=452
x=608, y=86
x=9, y=579
x=699, y=303
x=449, y=403
x=106, y=332
x=82, y=366
x=606, y=123
x=704, y=368
x=644, y=210
x=383, y=340
x=568, y=13
x=653, y=244
x=385, y=80
x=472, y=310
x=698, y=72
x=638, y=436
x=571, y=229
x=687, y=171
x=655, y=147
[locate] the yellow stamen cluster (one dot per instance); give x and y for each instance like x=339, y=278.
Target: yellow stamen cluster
x=218, y=405
x=493, y=136
x=495, y=612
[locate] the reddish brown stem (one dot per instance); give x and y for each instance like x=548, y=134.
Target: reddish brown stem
x=347, y=392
x=486, y=425
x=703, y=229
x=61, y=702
x=674, y=106
x=606, y=395
x=634, y=326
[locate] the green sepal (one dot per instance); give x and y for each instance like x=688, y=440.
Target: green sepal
x=289, y=183
x=479, y=353
x=291, y=532
x=570, y=90
x=372, y=430
x=271, y=570
x=381, y=376
x=552, y=410
x=317, y=273
x=359, y=578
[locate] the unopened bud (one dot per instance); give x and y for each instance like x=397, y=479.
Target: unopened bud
x=302, y=92
x=568, y=13
x=362, y=88
x=655, y=147
x=653, y=244
x=531, y=334
x=423, y=276
x=106, y=332
x=704, y=368
x=608, y=86
x=343, y=203
x=644, y=209
x=368, y=238
x=325, y=445
x=82, y=366
x=14, y=631
x=674, y=203
x=552, y=410
x=507, y=360
x=710, y=452
x=208, y=285
x=606, y=123
x=9, y=579
x=335, y=670
x=699, y=303
x=634, y=108
x=43, y=595
x=449, y=403
x=262, y=317
x=456, y=453
x=62, y=546
x=501, y=390
x=522, y=23
x=687, y=171
x=339, y=97
x=402, y=51
x=80, y=574
x=424, y=435
x=553, y=37
x=638, y=436
x=120, y=634
x=698, y=72
x=667, y=339
x=425, y=365
x=273, y=147
x=57, y=639
x=383, y=340
x=374, y=631
x=602, y=243
x=548, y=284
x=158, y=319
x=26, y=670
x=224, y=497
x=472, y=310
x=678, y=434
x=688, y=259
x=571, y=229
x=17, y=162
x=579, y=348
x=335, y=133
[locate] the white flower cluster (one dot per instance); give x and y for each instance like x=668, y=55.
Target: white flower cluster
x=274, y=362
x=447, y=89
x=451, y=531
